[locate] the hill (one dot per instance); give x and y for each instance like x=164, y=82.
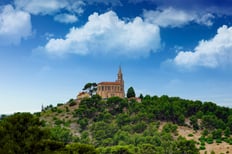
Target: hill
x=120, y=126
x=155, y=125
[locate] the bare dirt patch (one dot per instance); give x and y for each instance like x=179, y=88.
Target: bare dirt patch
x=221, y=148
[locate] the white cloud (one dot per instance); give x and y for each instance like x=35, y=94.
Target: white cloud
x=171, y=17
x=205, y=19
x=107, y=2
x=14, y=25
x=107, y=34
x=49, y=7
x=41, y=6
x=65, y=18
x=209, y=53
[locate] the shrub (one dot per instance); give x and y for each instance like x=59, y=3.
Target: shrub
x=58, y=122
x=139, y=127
x=67, y=124
x=67, y=109
x=54, y=109
x=217, y=134
x=209, y=140
x=203, y=143
x=202, y=139
x=205, y=132
x=80, y=148
x=190, y=135
x=83, y=123
x=230, y=141
x=212, y=152
x=218, y=141
x=59, y=111
x=169, y=128
x=73, y=103
x=202, y=147
x=59, y=104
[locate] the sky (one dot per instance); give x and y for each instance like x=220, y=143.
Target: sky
x=49, y=49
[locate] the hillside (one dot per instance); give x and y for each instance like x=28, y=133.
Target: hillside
x=156, y=125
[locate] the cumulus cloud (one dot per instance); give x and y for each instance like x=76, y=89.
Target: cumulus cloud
x=49, y=7
x=107, y=34
x=65, y=18
x=14, y=25
x=211, y=53
x=170, y=17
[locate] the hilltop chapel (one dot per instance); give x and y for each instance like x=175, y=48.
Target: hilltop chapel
x=110, y=89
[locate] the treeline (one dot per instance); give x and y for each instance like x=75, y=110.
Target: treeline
x=125, y=122
x=119, y=121
x=116, y=126
x=205, y=115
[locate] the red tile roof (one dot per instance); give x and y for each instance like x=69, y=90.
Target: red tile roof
x=109, y=83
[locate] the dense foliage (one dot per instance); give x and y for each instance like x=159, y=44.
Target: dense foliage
x=130, y=92
x=22, y=133
x=116, y=126
x=123, y=122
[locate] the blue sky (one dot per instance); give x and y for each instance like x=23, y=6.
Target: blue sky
x=50, y=49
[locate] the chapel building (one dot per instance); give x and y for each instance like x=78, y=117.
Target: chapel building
x=110, y=89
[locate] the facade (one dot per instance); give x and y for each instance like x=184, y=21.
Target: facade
x=110, y=89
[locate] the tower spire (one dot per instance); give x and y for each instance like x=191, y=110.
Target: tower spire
x=119, y=70
x=120, y=76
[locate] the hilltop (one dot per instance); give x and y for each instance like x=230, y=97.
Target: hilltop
x=154, y=125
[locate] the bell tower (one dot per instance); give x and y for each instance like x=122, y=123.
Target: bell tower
x=120, y=76
x=121, y=82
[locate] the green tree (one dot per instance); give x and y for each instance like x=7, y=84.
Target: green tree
x=61, y=134
x=83, y=122
x=91, y=88
x=185, y=146
x=170, y=128
x=121, y=136
x=115, y=105
x=121, y=150
x=217, y=134
x=211, y=122
x=122, y=119
x=130, y=92
x=139, y=127
x=76, y=148
x=141, y=96
x=21, y=133
x=101, y=130
x=227, y=132
x=194, y=122
x=229, y=122
x=85, y=137
x=148, y=149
